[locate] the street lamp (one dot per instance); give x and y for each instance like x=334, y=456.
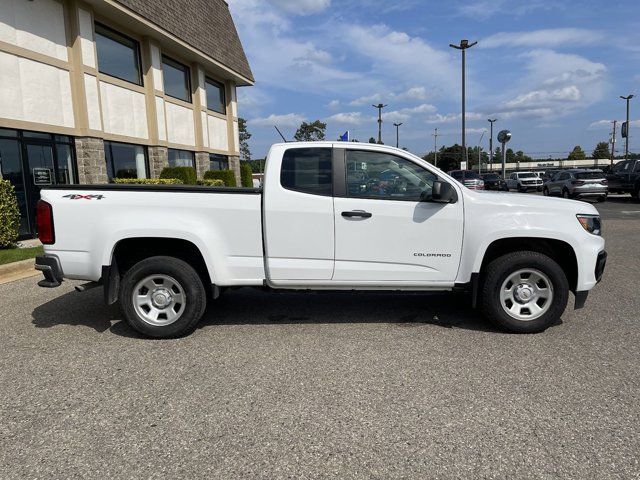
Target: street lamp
x=380, y=106
x=397, y=125
x=464, y=44
x=625, y=127
x=503, y=137
x=491, y=120
x=479, y=152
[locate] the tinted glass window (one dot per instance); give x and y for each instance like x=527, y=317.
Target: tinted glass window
x=118, y=55
x=125, y=160
x=471, y=175
x=215, y=96
x=491, y=176
x=637, y=169
x=176, y=79
x=218, y=162
x=180, y=158
x=589, y=175
x=307, y=170
x=384, y=176
x=457, y=175
x=527, y=175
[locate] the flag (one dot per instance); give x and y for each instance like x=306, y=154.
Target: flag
x=345, y=137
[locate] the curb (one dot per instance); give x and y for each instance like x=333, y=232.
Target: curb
x=17, y=270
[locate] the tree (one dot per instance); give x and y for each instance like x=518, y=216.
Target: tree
x=448, y=157
x=521, y=157
x=577, y=153
x=310, y=132
x=602, y=150
x=372, y=140
x=245, y=152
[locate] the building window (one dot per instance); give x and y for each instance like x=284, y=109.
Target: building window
x=181, y=158
x=125, y=160
x=118, y=55
x=218, y=162
x=176, y=79
x=215, y=96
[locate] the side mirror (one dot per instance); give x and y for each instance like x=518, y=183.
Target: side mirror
x=441, y=192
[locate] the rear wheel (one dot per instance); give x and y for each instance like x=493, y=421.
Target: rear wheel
x=602, y=198
x=565, y=193
x=636, y=192
x=545, y=191
x=524, y=292
x=162, y=297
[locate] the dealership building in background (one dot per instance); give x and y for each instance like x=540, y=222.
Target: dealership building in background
x=101, y=89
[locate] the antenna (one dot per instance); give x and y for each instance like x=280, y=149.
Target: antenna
x=280, y=133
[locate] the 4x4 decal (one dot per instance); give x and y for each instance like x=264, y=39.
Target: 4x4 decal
x=77, y=196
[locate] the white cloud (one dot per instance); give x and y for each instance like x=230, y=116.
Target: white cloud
x=537, y=98
x=366, y=100
x=608, y=125
x=333, y=104
x=484, y=9
x=347, y=118
x=302, y=7
x=551, y=37
x=286, y=120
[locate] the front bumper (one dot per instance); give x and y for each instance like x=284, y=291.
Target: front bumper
x=601, y=262
x=50, y=268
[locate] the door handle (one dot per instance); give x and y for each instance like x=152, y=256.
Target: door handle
x=357, y=214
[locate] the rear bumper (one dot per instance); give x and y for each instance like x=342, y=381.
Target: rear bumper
x=50, y=268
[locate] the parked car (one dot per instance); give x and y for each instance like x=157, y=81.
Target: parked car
x=625, y=178
x=524, y=181
x=166, y=251
x=578, y=183
x=468, y=178
x=493, y=181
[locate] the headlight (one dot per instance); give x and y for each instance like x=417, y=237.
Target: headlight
x=591, y=223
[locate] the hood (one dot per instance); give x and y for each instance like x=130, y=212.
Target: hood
x=524, y=202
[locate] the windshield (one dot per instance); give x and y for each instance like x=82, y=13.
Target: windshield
x=527, y=175
x=491, y=176
x=589, y=175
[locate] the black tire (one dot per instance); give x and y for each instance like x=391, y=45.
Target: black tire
x=565, y=193
x=194, y=294
x=601, y=198
x=522, y=190
x=497, y=272
x=635, y=194
x=545, y=191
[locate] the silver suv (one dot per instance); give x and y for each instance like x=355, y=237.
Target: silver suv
x=524, y=181
x=578, y=183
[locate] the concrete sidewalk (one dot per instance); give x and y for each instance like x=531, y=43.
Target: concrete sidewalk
x=17, y=270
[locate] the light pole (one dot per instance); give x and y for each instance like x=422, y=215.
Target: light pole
x=479, y=151
x=491, y=120
x=503, y=137
x=380, y=106
x=435, y=148
x=613, y=142
x=397, y=125
x=625, y=127
x=464, y=44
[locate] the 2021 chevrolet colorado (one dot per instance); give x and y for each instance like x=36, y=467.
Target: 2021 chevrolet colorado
x=330, y=216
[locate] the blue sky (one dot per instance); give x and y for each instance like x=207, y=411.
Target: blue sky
x=551, y=72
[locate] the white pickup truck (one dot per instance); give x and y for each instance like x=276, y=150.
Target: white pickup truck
x=330, y=216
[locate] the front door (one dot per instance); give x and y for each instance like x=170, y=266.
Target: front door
x=384, y=233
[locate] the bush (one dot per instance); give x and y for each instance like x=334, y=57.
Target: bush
x=211, y=183
x=147, y=181
x=246, y=176
x=9, y=215
x=187, y=175
x=227, y=176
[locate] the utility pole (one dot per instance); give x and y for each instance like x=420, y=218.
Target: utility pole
x=435, y=148
x=480, y=150
x=626, y=127
x=613, y=142
x=380, y=106
x=464, y=44
x=491, y=120
x=397, y=125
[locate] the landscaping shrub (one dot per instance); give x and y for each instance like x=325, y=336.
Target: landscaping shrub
x=147, y=181
x=246, y=176
x=227, y=176
x=9, y=215
x=187, y=175
x=211, y=183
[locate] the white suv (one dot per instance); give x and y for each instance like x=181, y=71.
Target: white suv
x=524, y=181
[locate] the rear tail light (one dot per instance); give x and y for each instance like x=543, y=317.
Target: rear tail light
x=577, y=182
x=604, y=182
x=44, y=220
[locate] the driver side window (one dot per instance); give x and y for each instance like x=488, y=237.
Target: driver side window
x=384, y=176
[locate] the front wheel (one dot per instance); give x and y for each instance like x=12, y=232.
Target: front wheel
x=545, y=191
x=565, y=193
x=162, y=297
x=524, y=292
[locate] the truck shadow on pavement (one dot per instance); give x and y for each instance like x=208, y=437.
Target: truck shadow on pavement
x=247, y=306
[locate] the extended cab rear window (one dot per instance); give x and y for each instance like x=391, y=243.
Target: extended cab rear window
x=307, y=170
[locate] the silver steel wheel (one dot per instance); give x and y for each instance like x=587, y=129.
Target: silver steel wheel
x=526, y=294
x=159, y=300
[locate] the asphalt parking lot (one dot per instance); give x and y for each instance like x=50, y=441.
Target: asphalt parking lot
x=325, y=386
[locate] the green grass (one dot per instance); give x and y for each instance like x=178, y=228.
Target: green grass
x=17, y=254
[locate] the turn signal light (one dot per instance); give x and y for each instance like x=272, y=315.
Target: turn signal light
x=44, y=221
